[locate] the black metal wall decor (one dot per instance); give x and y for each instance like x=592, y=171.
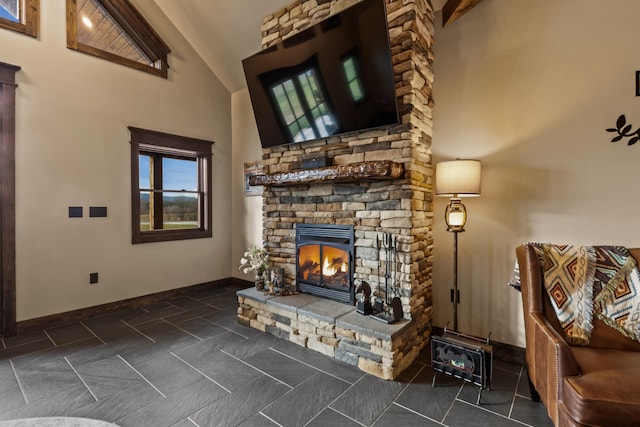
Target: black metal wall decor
x=623, y=130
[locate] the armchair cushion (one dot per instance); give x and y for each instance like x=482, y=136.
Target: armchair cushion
x=606, y=392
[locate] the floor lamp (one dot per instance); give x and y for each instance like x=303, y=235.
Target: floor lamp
x=457, y=178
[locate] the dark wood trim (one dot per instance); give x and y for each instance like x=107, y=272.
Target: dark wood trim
x=130, y=19
x=241, y=283
x=80, y=47
x=168, y=140
x=136, y=27
x=165, y=143
x=103, y=309
x=454, y=9
x=7, y=199
x=30, y=22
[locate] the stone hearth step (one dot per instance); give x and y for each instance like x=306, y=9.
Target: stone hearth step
x=331, y=328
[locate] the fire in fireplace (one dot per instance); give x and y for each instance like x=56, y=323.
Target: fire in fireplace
x=324, y=261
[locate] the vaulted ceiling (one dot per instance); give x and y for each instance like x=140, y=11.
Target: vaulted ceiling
x=224, y=32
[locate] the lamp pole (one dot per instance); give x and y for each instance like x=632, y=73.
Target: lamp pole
x=455, y=296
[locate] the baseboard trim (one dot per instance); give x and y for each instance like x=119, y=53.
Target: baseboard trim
x=505, y=352
x=78, y=315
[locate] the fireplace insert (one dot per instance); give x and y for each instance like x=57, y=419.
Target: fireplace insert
x=324, y=261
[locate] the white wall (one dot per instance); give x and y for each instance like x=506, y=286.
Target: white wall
x=72, y=149
x=247, y=210
x=529, y=88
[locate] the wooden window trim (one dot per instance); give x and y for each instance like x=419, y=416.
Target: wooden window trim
x=29, y=24
x=143, y=140
x=136, y=27
x=7, y=199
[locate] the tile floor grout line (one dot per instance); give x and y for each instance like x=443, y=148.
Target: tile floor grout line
x=309, y=365
x=342, y=394
x=80, y=378
x=259, y=370
x=513, y=401
x=522, y=396
x=344, y=415
x=140, y=332
x=269, y=418
x=50, y=339
x=394, y=399
x=492, y=412
x=461, y=386
x=94, y=334
x=227, y=329
x=183, y=330
x=200, y=372
x=415, y=412
x=141, y=376
x=27, y=343
x=15, y=373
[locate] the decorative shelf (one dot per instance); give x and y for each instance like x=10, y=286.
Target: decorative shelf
x=352, y=172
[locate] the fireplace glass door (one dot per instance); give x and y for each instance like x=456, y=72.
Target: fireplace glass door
x=324, y=261
x=324, y=265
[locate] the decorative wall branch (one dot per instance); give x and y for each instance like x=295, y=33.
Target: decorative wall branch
x=624, y=131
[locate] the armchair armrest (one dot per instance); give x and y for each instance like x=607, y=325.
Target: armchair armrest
x=549, y=361
x=549, y=356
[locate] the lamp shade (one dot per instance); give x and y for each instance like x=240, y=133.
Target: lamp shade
x=458, y=178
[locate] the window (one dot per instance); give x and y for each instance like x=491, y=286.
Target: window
x=302, y=107
x=170, y=187
x=114, y=30
x=20, y=16
x=352, y=75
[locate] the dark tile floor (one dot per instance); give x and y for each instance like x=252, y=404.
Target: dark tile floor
x=187, y=362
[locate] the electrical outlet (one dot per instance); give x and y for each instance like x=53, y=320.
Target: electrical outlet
x=93, y=278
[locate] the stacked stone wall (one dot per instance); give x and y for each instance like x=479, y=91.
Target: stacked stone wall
x=402, y=207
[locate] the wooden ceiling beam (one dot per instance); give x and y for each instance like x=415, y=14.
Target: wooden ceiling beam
x=454, y=9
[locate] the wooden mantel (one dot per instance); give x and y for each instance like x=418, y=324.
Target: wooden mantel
x=352, y=172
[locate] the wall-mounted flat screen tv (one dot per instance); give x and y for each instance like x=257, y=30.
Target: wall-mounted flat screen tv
x=335, y=77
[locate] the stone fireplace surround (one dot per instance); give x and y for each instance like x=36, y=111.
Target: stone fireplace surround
x=400, y=204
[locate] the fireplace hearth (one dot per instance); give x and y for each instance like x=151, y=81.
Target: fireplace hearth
x=324, y=261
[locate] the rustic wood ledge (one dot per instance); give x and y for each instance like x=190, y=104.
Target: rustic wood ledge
x=352, y=172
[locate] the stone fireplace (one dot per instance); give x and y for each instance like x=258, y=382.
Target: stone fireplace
x=380, y=182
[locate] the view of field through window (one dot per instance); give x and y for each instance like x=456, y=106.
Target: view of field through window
x=177, y=190
x=10, y=10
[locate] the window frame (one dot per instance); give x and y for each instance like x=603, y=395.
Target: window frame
x=144, y=141
x=8, y=87
x=29, y=22
x=134, y=25
x=295, y=79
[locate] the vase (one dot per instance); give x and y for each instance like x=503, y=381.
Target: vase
x=259, y=282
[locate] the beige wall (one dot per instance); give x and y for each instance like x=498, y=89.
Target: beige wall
x=73, y=150
x=529, y=88
x=247, y=210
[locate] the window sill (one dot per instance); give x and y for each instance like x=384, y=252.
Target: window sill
x=170, y=235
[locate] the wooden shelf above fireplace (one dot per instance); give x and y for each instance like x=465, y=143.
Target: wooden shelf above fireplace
x=352, y=172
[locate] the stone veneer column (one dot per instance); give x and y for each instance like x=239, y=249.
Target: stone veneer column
x=402, y=207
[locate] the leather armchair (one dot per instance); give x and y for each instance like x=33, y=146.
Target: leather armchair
x=594, y=385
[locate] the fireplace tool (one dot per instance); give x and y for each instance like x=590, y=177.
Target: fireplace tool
x=391, y=310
